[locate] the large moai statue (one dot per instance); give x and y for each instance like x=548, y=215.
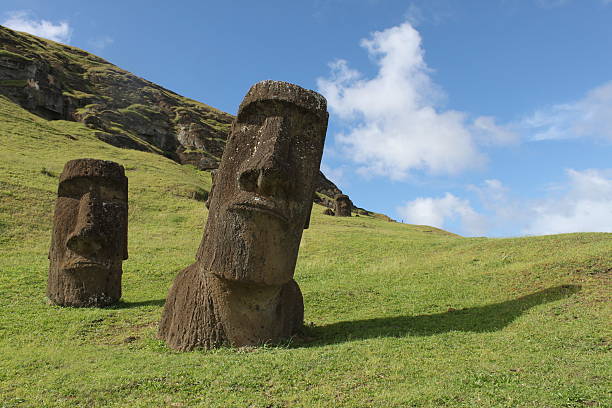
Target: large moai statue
x=240, y=291
x=89, y=240
x=342, y=205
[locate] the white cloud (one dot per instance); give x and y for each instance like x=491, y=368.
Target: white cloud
x=22, y=21
x=590, y=117
x=582, y=203
x=584, y=206
x=490, y=133
x=491, y=191
x=503, y=213
x=101, y=43
x=393, y=123
x=437, y=211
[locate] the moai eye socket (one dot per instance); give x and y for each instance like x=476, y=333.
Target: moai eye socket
x=75, y=187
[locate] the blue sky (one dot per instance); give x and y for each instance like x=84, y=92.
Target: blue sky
x=482, y=117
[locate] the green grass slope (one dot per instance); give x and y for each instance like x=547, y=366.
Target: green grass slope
x=397, y=315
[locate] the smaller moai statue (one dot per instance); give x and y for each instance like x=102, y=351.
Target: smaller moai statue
x=89, y=240
x=342, y=205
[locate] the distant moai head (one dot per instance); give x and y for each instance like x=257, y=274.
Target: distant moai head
x=342, y=205
x=89, y=240
x=263, y=189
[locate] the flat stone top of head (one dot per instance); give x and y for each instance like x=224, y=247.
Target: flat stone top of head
x=285, y=92
x=93, y=168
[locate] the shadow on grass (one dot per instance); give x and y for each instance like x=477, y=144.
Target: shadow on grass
x=130, y=305
x=480, y=319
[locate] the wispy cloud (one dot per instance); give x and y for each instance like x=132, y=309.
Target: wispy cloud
x=488, y=132
x=590, y=117
x=581, y=203
x=428, y=12
x=102, y=42
x=23, y=21
x=414, y=15
x=392, y=121
x=584, y=205
x=491, y=192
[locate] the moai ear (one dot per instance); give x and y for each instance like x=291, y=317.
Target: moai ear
x=307, y=223
x=212, y=188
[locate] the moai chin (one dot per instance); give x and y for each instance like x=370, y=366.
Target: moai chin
x=342, y=205
x=89, y=240
x=240, y=291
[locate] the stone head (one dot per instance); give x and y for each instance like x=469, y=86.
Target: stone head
x=90, y=221
x=342, y=205
x=263, y=189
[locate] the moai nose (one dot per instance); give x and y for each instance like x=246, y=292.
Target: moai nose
x=85, y=239
x=266, y=172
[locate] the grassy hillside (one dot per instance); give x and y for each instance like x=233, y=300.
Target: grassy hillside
x=398, y=315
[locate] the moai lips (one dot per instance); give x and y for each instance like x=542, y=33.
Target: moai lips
x=241, y=290
x=89, y=240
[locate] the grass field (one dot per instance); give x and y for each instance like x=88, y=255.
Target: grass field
x=397, y=315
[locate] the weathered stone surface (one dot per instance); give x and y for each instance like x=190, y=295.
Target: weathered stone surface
x=342, y=205
x=240, y=291
x=89, y=240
